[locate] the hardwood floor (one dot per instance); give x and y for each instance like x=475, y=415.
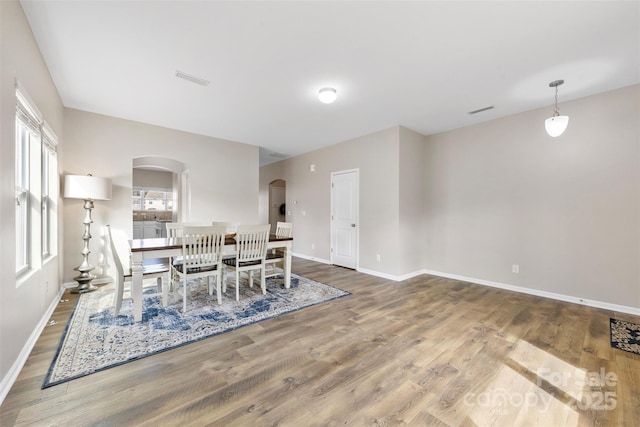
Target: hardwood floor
x=425, y=352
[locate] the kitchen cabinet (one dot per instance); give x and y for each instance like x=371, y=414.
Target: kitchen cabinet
x=137, y=229
x=150, y=229
x=146, y=229
x=163, y=228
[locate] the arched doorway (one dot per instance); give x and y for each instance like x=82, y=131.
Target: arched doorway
x=277, y=202
x=172, y=177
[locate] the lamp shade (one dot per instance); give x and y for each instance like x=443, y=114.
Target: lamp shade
x=556, y=125
x=87, y=187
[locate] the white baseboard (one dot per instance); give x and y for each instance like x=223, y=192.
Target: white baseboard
x=393, y=277
x=561, y=297
x=322, y=260
x=69, y=285
x=97, y=281
x=10, y=378
x=103, y=280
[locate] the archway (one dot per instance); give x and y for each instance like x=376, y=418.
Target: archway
x=277, y=202
x=178, y=179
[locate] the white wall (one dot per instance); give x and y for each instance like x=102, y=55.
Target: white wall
x=21, y=307
x=566, y=209
x=223, y=175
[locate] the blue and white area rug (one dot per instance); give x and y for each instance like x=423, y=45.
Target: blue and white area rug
x=95, y=340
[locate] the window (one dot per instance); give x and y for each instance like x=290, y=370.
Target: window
x=36, y=186
x=49, y=192
x=152, y=199
x=28, y=122
x=137, y=200
x=23, y=136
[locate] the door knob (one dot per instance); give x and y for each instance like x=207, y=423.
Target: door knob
x=353, y=225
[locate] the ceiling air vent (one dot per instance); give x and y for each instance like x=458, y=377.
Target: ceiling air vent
x=480, y=110
x=192, y=79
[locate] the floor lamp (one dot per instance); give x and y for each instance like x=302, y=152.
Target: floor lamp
x=87, y=188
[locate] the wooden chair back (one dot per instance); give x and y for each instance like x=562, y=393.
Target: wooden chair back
x=284, y=229
x=251, y=243
x=231, y=227
x=202, y=246
x=119, y=244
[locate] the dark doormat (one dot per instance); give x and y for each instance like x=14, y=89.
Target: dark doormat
x=625, y=335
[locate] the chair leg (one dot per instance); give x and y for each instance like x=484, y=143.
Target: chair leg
x=218, y=287
x=118, y=297
x=237, y=285
x=251, y=278
x=263, y=280
x=184, y=295
x=224, y=280
x=166, y=283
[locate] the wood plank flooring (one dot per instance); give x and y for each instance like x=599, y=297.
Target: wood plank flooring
x=424, y=352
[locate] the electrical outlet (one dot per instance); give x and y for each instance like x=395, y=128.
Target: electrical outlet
x=378, y=257
x=313, y=246
x=515, y=268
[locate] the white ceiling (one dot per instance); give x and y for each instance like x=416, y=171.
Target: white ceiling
x=422, y=64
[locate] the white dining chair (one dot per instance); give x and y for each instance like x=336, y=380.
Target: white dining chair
x=151, y=268
x=231, y=227
x=174, y=229
x=201, y=258
x=276, y=256
x=251, y=250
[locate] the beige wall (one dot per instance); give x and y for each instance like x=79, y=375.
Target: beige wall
x=391, y=198
x=472, y=202
x=223, y=175
x=152, y=178
x=376, y=157
x=21, y=307
x=411, y=202
x=566, y=209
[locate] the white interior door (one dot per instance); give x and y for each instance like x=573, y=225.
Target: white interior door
x=344, y=218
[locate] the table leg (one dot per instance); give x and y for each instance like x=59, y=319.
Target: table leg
x=287, y=265
x=136, y=285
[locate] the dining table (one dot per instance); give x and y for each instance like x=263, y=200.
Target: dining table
x=167, y=247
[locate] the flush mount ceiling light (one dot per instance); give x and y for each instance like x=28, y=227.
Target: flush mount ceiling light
x=327, y=95
x=556, y=124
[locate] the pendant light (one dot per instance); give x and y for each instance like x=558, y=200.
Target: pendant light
x=556, y=124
